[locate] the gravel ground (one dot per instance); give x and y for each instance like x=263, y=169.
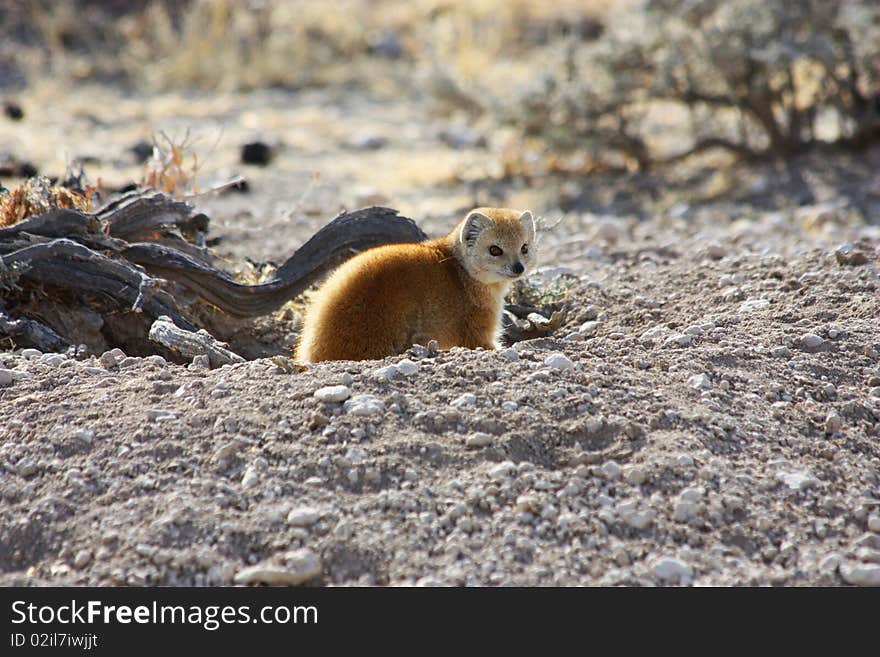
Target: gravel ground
x=709, y=414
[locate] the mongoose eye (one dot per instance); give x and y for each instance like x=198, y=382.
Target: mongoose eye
x=495, y=250
x=525, y=249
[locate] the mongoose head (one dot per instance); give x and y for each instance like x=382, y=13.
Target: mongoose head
x=497, y=244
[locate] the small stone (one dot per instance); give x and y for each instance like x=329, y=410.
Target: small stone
x=82, y=558
x=6, y=377
x=692, y=493
x=27, y=467
x=303, y=516
x=860, y=574
x=797, y=480
x=85, y=435
x=830, y=563
x=670, y=569
x=684, y=510
x=834, y=332
x=250, y=478
x=874, y=523
x=53, y=360
x=367, y=141
x=611, y=470
x=386, y=373
x=811, y=341
x=781, y=352
x=363, y=405
x=108, y=360
x=302, y=565
x=467, y=399
x=407, y=367
x=479, y=439
x=257, y=152
x=156, y=360
x=589, y=327
x=160, y=415
x=510, y=354
x=700, y=382
x=31, y=354
x=635, y=475
x=678, y=340
x=847, y=255
x=502, y=471
x=558, y=361
x=833, y=423
x=333, y=393
x=751, y=305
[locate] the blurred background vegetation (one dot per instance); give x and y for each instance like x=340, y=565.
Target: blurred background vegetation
x=578, y=86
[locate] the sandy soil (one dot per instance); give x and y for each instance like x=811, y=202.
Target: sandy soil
x=708, y=414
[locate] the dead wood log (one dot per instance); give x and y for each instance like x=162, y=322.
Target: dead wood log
x=130, y=253
x=189, y=344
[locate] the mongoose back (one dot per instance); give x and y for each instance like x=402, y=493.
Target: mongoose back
x=450, y=289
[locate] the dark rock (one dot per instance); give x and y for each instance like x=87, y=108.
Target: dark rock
x=142, y=151
x=13, y=110
x=848, y=255
x=256, y=153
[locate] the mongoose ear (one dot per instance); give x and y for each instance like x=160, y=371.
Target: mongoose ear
x=475, y=224
x=528, y=224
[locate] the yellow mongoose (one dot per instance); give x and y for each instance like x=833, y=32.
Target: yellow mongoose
x=450, y=289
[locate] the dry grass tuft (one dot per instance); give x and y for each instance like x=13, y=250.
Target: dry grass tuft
x=38, y=195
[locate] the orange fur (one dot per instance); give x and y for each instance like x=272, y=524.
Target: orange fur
x=449, y=289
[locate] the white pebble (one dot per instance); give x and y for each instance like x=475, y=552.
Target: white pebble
x=671, y=570
x=250, y=478
x=52, y=359
x=797, y=480
x=751, y=305
x=6, y=377
x=31, y=354
x=467, y=399
x=678, y=340
x=479, y=439
x=387, y=373
x=303, y=516
x=509, y=406
x=82, y=558
x=611, y=470
x=589, y=327
x=503, y=470
x=558, y=361
x=302, y=565
x=333, y=393
x=812, y=341
x=510, y=354
x=874, y=523
x=635, y=475
x=407, y=367
x=700, y=382
x=692, y=493
x=860, y=574
x=363, y=405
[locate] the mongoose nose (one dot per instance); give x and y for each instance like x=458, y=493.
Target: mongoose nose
x=517, y=268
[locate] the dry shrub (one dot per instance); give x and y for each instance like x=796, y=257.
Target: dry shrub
x=173, y=166
x=670, y=79
x=37, y=195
